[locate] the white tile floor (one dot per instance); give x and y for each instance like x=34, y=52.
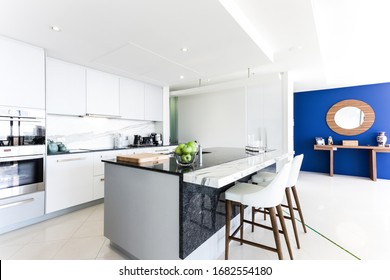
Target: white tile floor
x=347, y=218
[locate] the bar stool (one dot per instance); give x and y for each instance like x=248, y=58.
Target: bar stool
x=269, y=198
x=264, y=178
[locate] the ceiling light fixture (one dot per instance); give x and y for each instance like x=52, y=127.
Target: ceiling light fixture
x=184, y=49
x=181, y=77
x=55, y=28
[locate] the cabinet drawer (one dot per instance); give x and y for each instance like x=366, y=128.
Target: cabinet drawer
x=21, y=208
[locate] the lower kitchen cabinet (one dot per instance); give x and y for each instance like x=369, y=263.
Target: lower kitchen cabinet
x=21, y=208
x=74, y=179
x=69, y=180
x=98, y=186
x=98, y=170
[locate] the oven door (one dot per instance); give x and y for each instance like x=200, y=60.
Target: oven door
x=30, y=131
x=21, y=175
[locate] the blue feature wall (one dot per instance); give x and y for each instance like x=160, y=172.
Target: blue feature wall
x=310, y=109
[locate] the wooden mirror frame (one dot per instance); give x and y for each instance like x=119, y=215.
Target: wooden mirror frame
x=369, y=117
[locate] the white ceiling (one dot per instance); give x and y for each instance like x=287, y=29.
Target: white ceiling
x=323, y=43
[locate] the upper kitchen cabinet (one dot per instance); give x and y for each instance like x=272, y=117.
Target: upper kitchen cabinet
x=65, y=86
x=22, y=72
x=132, y=99
x=102, y=93
x=153, y=103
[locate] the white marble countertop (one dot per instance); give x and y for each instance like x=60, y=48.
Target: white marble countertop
x=220, y=175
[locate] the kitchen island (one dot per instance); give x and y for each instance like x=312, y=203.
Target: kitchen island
x=163, y=211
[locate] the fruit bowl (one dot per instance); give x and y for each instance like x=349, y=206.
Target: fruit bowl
x=185, y=160
x=185, y=153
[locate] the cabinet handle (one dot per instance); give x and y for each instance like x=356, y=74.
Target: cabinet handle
x=16, y=203
x=101, y=179
x=71, y=159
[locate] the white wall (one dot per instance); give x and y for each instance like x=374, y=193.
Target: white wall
x=224, y=118
x=215, y=119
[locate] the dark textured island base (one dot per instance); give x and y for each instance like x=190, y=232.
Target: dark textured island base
x=202, y=214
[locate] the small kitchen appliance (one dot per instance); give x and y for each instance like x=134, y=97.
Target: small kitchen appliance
x=157, y=139
x=137, y=140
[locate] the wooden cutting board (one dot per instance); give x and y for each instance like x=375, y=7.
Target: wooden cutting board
x=142, y=157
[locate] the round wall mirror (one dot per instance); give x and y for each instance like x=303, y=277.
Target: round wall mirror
x=350, y=117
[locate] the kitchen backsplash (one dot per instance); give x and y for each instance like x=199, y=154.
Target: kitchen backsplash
x=92, y=132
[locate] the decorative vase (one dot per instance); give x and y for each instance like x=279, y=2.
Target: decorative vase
x=381, y=139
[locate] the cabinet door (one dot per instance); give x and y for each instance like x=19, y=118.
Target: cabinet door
x=69, y=181
x=102, y=93
x=66, y=88
x=22, y=72
x=132, y=99
x=98, y=165
x=98, y=170
x=153, y=103
x=98, y=187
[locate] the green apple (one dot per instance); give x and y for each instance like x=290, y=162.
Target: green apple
x=186, y=158
x=186, y=150
x=194, y=146
x=178, y=151
x=181, y=145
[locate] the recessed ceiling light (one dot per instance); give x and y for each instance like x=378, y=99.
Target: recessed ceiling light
x=181, y=77
x=295, y=48
x=55, y=28
x=184, y=49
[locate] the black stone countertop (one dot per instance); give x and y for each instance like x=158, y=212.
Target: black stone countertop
x=211, y=157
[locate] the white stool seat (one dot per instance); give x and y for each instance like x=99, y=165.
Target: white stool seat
x=263, y=176
x=244, y=193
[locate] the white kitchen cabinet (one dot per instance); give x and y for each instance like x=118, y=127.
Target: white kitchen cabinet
x=69, y=180
x=98, y=186
x=21, y=208
x=98, y=170
x=65, y=88
x=132, y=99
x=22, y=72
x=102, y=93
x=153, y=103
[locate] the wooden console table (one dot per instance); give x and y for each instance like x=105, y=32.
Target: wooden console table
x=372, y=150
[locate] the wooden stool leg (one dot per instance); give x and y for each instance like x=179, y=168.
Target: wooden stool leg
x=294, y=190
x=291, y=210
x=253, y=218
x=241, y=222
x=228, y=207
x=276, y=232
x=265, y=214
x=284, y=228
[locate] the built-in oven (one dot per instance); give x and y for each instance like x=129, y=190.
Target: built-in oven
x=22, y=165
x=21, y=127
x=21, y=175
x=22, y=151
